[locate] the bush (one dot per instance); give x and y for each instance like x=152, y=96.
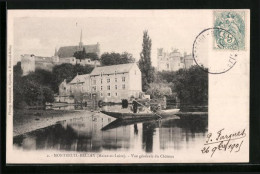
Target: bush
x=159, y=90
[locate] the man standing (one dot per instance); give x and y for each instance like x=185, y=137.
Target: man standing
x=135, y=106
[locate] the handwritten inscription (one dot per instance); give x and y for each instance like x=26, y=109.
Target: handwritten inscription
x=222, y=141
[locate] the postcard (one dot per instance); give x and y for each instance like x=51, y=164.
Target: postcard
x=128, y=86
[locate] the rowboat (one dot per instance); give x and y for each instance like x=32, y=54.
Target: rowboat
x=161, y=114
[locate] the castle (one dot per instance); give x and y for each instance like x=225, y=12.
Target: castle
x=173, y=61
x=30, y=62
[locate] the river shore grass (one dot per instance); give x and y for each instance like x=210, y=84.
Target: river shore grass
x=28, y=120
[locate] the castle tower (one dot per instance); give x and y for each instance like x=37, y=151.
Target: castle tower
x=27, y=63
x=55, y=58
x=159, y=58
x=80, y=42
x=55, y=53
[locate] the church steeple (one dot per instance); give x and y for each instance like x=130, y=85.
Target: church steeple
x=80, y=42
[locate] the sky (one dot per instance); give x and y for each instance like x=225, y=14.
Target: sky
x=39, y=32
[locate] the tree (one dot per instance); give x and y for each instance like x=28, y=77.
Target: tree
x=48, y=94
x=83, y=55
x=79, y=69
x=68, y=72
x=127, y=58
x=145, y=63
x=17, y=87
x=116, y=58
x=17, y=70
x=31, y=91
x=159, y=90
x=92, y=56
x=41, y=77
x=80, y=54
x=61, y=72
x=191, y=85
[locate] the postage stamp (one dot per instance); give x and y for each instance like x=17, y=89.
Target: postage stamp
x=228, y=50
x=233, y=23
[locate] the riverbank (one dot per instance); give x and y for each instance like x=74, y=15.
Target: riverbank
x=28, y=120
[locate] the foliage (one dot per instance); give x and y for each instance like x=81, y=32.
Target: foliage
x=159, y=90
x=38, y=87
x=145, y=63
x=48, y=95
x=17, y=70
x=68, y=72
x=41, y=77
x=191, y=85
x=17, y=88
x=32, y=92
x=92, y=56
x=116, y=58
x=80, y=54
x=83, y=55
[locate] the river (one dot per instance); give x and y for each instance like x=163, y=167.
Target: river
x=98, y=132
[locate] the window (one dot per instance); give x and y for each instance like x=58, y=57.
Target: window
x=101, y=81
x=123, y=79
x=115, y=86
x=101, y=88
x=123, y=86
x=115, y=72
x=108, y=94
x=94, y=88
x=101, y=94
x=94, y=82
x=108, y=80
x=115, y=79
x=108, y=87
x=116, y=94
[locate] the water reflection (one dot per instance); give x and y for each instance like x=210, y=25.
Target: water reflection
x=98, y=132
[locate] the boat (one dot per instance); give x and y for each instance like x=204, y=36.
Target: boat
x=125, y=122
x=161, y=114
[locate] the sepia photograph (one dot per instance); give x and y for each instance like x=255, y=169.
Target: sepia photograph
x=128, y=86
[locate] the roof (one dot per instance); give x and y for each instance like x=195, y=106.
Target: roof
x=43, y=59
x=121, y=68
x=80, y=78
x=68, y=51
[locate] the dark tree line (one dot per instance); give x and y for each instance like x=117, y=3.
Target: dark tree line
x=83, y=55
x=116, y=58
x=190, y=86
x=39, y=87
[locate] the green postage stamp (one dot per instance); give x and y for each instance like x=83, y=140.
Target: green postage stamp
x=233, y=33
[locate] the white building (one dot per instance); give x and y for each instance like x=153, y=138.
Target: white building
x=108, y=83
x=79, y=86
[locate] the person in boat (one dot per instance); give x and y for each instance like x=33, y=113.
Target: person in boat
x=135, y=106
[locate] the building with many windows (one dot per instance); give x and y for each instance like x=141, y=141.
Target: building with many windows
x=108, y=83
